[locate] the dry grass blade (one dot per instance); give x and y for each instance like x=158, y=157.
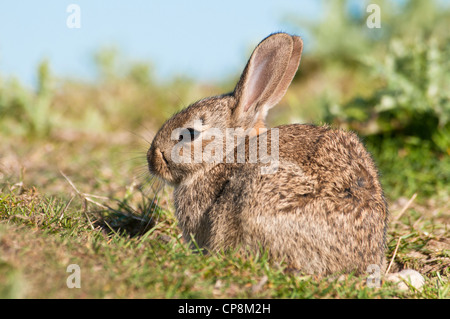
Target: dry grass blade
x=259, y=286
x=397, y=217
x=86, y=197
x=393, y=256
x=65, y=208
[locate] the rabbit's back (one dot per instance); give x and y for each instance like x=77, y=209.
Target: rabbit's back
x=335, y=159
x=322, y=211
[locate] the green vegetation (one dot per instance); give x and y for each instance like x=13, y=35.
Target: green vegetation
x=74, y=187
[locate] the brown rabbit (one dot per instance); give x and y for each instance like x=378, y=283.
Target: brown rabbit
x=318, y=205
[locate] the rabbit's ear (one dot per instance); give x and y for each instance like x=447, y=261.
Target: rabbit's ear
x=266, y=78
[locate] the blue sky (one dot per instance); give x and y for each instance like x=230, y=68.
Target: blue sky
x=206, y=40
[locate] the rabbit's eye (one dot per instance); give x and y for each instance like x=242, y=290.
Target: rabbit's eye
x=188, y=134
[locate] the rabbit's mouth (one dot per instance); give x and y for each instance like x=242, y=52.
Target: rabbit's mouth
x=164, y=158
x=158, y=163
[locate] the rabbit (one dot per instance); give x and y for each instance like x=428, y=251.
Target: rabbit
x=321, y=209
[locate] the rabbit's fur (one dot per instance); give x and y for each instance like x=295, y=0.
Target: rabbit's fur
x=321, y=209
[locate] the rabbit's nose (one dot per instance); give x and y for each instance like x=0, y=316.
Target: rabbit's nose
x=161, y=155
x=155, y=158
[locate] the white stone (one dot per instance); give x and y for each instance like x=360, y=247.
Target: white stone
x=409, y=275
